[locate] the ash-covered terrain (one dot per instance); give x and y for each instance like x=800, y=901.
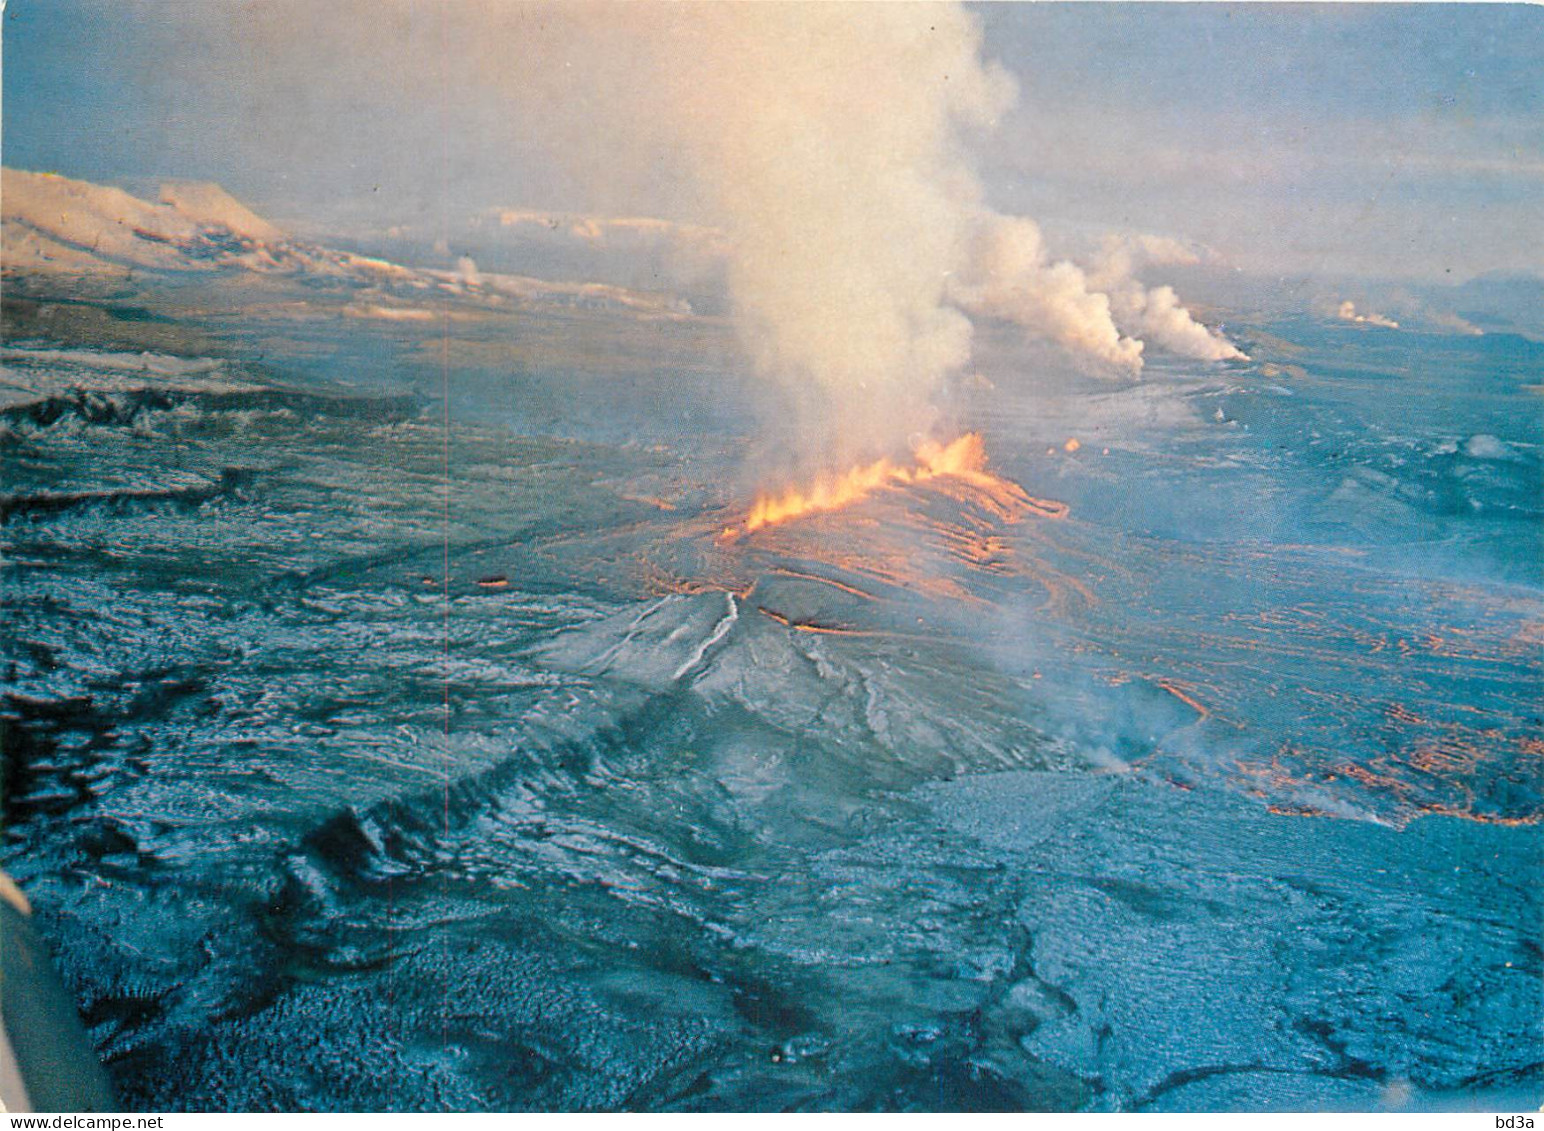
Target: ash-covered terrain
x=395, y=717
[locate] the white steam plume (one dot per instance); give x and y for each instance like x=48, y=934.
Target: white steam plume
x=1156, y=313
x=1012, y=277
x=1348, y=313
x=826, y=141
x=829, y=144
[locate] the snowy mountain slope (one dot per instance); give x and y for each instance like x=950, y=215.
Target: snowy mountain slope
x=54, y=225
x=210, y=205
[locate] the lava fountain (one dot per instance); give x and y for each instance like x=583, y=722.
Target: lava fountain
x=963, y=460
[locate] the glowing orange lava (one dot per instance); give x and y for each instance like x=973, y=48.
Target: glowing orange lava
x=963, y=459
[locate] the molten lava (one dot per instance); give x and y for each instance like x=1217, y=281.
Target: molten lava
x=964, y=459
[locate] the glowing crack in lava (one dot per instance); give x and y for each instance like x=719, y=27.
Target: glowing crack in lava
x=963, y=459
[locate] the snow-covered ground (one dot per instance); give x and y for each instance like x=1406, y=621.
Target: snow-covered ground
x=388, y=721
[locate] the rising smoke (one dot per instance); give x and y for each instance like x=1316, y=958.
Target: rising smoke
x=828, y=144
x=831, y=144
x=1347, y=312
x=1155, y=313
x=1010, y=276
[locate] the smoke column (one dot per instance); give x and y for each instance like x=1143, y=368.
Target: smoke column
x=1155, y=313
x=1011, y=276
x=830, y=143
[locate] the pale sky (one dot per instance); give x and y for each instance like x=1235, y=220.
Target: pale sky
x=1393, y=140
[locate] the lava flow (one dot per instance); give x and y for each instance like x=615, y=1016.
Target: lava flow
x=963, y=459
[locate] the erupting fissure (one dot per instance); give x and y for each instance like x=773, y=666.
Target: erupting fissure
x=964, y=459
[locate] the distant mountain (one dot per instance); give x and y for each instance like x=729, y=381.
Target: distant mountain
x=636, y=252
x=53, y=225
